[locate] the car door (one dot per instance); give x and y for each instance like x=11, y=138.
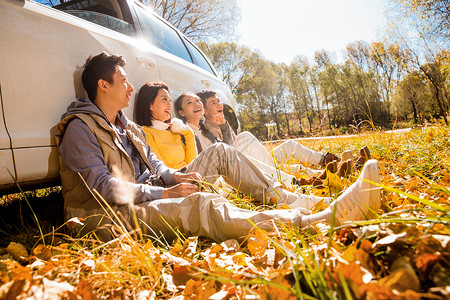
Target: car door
x=7, y=171
x=43, y=51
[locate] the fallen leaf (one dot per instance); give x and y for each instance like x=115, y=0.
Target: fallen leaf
x=18, y=251
x=197, y=289
x=425, y=262
x=15, y=290
x=375, y=291
x=402, y=278
x=42, y=252
x=84, y=290
x=258, y=244
x=174, y=260
x=181, y=274
x=350, y=253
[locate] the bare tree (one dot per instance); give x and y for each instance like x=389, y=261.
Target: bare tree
x=200, y=19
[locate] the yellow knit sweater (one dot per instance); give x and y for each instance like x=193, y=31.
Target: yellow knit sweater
x=169, y=148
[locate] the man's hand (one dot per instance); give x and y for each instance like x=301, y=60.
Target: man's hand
x=180, y=190
x=219, y=119
x=187, y=177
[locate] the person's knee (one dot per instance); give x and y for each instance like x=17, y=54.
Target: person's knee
x=219, y=149
x=245, y=135
x=289, y=143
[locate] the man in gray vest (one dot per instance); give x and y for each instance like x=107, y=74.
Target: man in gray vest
x=103, y=151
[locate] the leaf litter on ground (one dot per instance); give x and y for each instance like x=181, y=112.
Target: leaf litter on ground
x=402, y=254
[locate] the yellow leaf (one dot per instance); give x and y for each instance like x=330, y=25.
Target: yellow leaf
x=18, y=251
x=215, y=248
x=375, y=155
x=350, y=253
x=42, y=252
x=200, y=290
x=402, y=278
x=258, y=244
x=333, y=181
x=177, y=248
x=238, y=258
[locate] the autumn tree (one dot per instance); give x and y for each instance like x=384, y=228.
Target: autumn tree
x=303, y=94
x=433, y=15
x=388, y=61
x=228, y=58
x=412, y=95
x=328, y=87
x=280, y=100
x=200, y=19
x=255, y=93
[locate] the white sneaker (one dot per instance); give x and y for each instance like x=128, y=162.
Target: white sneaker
x=362, y=199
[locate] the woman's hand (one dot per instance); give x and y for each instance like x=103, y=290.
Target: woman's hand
x=219, y=119
x=192, y=177
x=180, y=190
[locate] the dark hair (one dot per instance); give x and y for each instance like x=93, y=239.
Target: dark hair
x=146, y=97
x=178, y=105
x=102, y=66
x=205, y=94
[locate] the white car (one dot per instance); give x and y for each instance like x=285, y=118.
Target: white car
x=42, y=51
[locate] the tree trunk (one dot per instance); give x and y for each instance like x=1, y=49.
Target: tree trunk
x=416, y=119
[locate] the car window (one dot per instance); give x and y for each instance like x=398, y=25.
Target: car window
x=106, y=13
x=161, y=35
x=104, y=20
x=198, y=58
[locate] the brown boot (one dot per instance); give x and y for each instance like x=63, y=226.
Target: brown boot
x=345, y=168
x=316, y=181
x=364, y=151
x=331, y=167
x=301, y=181
x=365, y=156
x=329, y=157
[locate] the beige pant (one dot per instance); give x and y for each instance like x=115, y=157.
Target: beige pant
x=209, y=215
x=212, y=216
x=249, y=145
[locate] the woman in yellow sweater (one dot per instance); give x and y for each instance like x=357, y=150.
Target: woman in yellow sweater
x=173, y=143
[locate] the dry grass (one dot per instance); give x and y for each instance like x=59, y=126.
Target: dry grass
x=402, y=254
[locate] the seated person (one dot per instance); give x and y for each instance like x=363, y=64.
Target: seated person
x=174, y=145
x=101, y=149
x=249, y=145
x=215, y=121
x=191, y=110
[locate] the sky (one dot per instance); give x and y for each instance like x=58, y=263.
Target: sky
x=282, y=29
